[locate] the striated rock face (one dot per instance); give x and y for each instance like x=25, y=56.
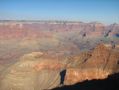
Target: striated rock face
x=16, y=29
x=99, y=57
x=50, y=65
x=102, y=62
x=33, y=72
x=78, y=60
x=75, y=75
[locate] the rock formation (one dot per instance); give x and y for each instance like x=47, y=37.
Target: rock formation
x=34, y=71
x=99, y=64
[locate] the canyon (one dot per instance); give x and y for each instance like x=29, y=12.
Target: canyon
x=42, y=55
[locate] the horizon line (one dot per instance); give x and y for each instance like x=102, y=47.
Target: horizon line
x=49, y=20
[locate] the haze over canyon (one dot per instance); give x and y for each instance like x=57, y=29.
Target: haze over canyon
x=41, y=55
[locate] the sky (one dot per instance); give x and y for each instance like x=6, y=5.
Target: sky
x=105, y=11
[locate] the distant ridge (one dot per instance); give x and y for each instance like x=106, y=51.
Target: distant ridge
x=57, y=21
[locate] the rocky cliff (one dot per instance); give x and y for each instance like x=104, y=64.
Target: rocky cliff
x=100, y=63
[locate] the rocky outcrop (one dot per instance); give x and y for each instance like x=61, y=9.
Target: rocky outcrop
x=99, y=57
x=75, y=75
x=102, y=62
x=78, y=60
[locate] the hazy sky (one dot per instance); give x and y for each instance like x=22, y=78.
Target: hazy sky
x=106, y=11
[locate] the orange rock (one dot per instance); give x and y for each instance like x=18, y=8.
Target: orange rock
x=75, y=75
x=102, y=62
x=50, y=65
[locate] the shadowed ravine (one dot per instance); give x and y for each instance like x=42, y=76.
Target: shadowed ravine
x=110, y=83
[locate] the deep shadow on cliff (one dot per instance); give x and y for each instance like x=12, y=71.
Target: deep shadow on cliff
x=110, y=83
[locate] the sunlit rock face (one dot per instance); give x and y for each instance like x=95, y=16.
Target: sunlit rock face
x=33, y=71
x=98, y=64
x=99, y=57
x=75, y=75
